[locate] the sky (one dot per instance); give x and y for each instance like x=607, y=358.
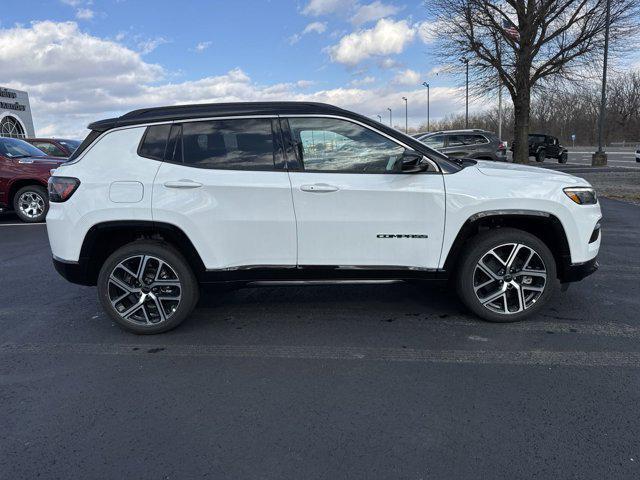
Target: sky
x=84, y=60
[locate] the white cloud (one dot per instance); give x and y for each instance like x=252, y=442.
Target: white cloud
x=407, y=77
x=359, y=82
x=427, y=31
x=73, y=3
x=149, y=45
x=325, y=7
x=386, y=38
x=372, y=12
x=314, y=27
x=74, y=78
x=84, y=14
x=202, y=46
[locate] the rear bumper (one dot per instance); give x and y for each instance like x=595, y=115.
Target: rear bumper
x=74, y=272
x=577, y=271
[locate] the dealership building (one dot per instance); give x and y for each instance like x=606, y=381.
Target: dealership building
x=15, y=114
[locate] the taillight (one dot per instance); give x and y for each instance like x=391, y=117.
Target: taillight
x=61, y=188
x=502, y=146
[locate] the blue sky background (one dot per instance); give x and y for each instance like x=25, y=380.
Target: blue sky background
x=82, y=60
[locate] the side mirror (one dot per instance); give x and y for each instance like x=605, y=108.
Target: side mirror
x=410, y=162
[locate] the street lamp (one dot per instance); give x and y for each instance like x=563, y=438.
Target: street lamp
x=379, y=118
x=600, y=157
x=406, y=115
x=466, y=115
x=390, y=118
x=425, y=84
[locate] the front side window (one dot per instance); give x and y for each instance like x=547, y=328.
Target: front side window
x=242, y=144
x=334, y=145
x=434, y=141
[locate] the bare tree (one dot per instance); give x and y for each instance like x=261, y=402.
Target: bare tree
x=528, y=43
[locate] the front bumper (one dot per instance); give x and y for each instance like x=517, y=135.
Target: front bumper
x=577, y=271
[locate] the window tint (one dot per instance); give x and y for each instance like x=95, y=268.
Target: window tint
x=154, y=142
x=332, y=145
x=244, y=144
x=49, y=149
x=466, y=139
x=434, y=141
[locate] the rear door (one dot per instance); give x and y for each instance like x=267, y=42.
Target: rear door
x=352, y=209
x=224, y=183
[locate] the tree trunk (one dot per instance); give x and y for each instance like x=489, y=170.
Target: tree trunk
x=522, y=108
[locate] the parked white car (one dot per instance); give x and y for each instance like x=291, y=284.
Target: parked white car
x=159, y=200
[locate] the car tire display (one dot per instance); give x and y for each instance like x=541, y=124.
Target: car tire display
x=506, y=275
x=31, y=203
x=147, y=287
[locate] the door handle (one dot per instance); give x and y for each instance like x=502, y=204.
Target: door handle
x=319, y=188
x=182, y=184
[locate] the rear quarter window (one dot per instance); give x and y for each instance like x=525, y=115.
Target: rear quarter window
x=154, y=142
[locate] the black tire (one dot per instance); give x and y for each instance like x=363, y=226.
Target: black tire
x=39, y=194
x=563, y=157
x=481, y=245
x=189, y=289
x=540, y=155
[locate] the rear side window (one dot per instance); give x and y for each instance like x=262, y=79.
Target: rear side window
x=154, y=142
x=434, y=141
x=243, y=144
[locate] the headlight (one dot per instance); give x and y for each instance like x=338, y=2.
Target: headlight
x=582, y=195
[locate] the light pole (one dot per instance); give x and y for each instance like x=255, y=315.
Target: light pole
x=379, y=118
x=600, y=157
x=390, y=118
x=406, y=115
x=425, y=84
x=466, y=114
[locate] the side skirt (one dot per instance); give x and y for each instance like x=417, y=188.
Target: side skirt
x=279, y=273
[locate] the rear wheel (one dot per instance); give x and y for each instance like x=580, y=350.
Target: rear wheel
x=147, y=287
x=31, y=203
x=563, y=158
x=506, y=275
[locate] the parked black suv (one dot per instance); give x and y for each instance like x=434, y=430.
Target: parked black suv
x=478, y=144
x=543, y=146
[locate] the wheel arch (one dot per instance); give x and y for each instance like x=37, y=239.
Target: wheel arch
x=18, y=183
x=546, y=226
x=105, y=238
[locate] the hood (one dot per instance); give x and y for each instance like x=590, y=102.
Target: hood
x=514, y=170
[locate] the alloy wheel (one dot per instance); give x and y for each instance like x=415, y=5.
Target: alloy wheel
x=144, y=290
x=31, y=204
x=509, y=278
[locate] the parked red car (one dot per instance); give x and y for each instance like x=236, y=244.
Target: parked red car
x=56, y=147
x=24, y=172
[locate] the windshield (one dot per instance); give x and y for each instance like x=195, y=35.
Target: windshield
x=72, y=145
x=15, y=148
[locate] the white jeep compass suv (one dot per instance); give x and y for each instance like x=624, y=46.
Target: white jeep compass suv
x=160, y=200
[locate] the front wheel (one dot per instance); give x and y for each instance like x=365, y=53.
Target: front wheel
x=506, y=275
x=147, y=287
x=540, y=156
x=31, y=203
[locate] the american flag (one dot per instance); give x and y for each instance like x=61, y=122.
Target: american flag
x=510, y=29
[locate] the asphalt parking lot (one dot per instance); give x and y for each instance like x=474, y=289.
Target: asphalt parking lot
x=386, y=380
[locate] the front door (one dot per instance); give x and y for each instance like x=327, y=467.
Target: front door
x=224, y=182
x=351, y=209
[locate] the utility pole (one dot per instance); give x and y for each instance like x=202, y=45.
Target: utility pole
x=406, y=115
x=600, y=157
x=499, y=109
x=466, y=114
x=425, y=84
x=390, y=118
